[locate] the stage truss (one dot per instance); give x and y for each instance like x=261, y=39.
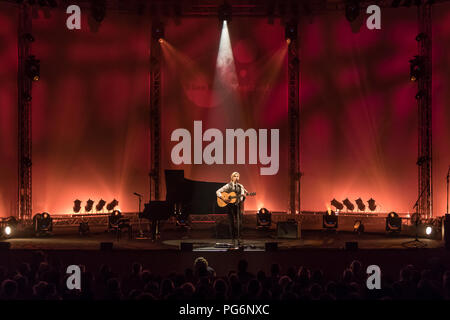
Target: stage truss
x=24, y=194
x=269, y=9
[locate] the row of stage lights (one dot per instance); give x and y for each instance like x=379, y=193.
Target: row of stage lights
x=350, y=206
x=42, y=225
x=393, y=224
x=90, y=205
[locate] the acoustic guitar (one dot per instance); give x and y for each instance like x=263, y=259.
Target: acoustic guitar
x=230, y=198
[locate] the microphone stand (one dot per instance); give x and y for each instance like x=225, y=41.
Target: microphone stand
x=448, y=177
x=416, y=242
x=141, y=233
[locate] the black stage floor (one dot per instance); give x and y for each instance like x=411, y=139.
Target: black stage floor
x=203, y=240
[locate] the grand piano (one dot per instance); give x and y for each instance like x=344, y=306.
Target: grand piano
x=184, y=197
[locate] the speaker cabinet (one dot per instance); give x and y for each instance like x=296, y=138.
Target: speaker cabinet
x=288, y=229
x=186, y=246
x=106, y=246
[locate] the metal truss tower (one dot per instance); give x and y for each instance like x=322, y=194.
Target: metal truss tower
x=425, y=159
x=155, y=110
x=294, y=123
x=24, y=200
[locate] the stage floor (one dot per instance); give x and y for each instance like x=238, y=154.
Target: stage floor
x=202, y=240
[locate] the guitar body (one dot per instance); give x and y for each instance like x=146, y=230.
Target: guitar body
x=227, y=198
x=230, y=197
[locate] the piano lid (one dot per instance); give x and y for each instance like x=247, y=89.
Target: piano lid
x=196, y=197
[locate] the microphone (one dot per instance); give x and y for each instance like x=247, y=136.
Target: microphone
x=137, y=194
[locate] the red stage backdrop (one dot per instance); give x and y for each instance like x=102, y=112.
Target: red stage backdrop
x=90, y=108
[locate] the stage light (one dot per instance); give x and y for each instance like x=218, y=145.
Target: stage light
x=417, y=68
x=161, y=40
x=372, y=205
x=8, y=226
x=89, y=205
x=110, y=206
x=420, y=94
x=27, y=97
x=421, y=36
x=77, y=206
x=100, y=205
x=360, y=204
x=393, y=223
x=83, y=228
x=428, y=230
x=33, y=68
x=330, y=220
x=337, y=204
x=350, y=206
x=114, y=218
x=352, y=10
x=358, y=227
x=29, y=37
x=263, y=218
x=42, y=224
x=290, y=32
x=158, y=31
x=225, y=12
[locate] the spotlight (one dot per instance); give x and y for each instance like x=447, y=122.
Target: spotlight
x=158, y=31
x=330, y=220
x=161, y=40
x=83, y=229
x=372, y=205
x=100, y=205
x=421, y=36
x=360, y=204
x=42, y=224
x=33, y=68
x=29, y=37
x=77, y=206
x=352, y=10
x=114, y=219
x=263, y=218
x=420, y=94
x=337, y=204
x=350, y=206
x=290, y=32
x=27, y=97
x=8, y=227
x=358, y=227
x=428, y=230
x=393, y=223
x=110, y=206
x=225, y=11
x=417, y=68
x=89, y=205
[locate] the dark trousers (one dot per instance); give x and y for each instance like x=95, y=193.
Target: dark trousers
x=233, y=212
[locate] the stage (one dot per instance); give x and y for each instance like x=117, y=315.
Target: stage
x=203, y=241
